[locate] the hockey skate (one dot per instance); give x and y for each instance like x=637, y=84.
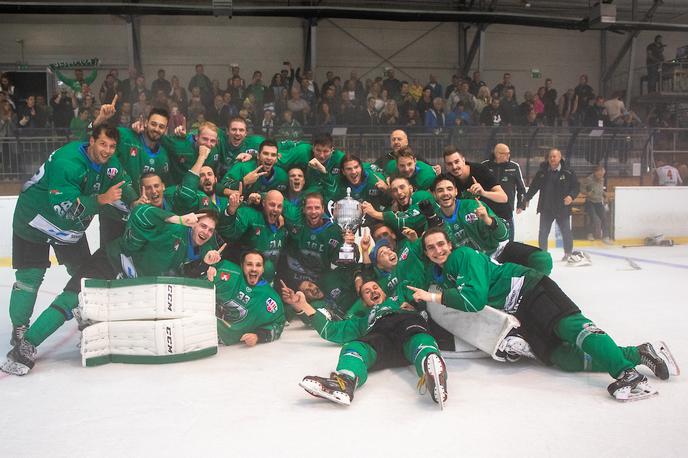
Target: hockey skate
x=631, y=386
x=21, y=359
x=657, y=357
x=434, y=378
x=18, y=333
x=339, y=388
x=512, y=348
x=578, y=259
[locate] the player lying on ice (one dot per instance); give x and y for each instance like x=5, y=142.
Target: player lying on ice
x=392, y=334
x=553, y=326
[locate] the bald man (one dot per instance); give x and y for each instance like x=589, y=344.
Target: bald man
x=509, y=177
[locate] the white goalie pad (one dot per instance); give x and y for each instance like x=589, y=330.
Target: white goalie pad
x=483, y=330
x=149, y=342
x=145, y=299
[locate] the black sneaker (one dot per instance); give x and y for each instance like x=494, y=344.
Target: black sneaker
x=18, y=333
x=337, y=388
x=630, y=386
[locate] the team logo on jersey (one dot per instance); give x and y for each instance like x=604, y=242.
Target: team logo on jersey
x=334, y=243
x=112, y=172
x=55, y=192
x=335, y=292
x=471, y=218
x=404, y=254
x=224, y=276
x=205, y=202
x=257, y=232
x=177, y=242
x=335, y=171
x=271, y=305
x=374, y=192
x=133, y=151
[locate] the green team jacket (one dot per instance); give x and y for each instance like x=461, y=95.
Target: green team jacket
x=354, y=328
x=470, y=281
x=187, y=196
x=58, y=203
x=422, y=178
x=465, y=228
x=73, y=83
x=228, y=152
x=277, y=180
x=243, y=309
x=152, y=247
x=248, y=228
x=301, y=154
x=183, y=152
x=411, y=217
x=336, y=187
x=310, y=250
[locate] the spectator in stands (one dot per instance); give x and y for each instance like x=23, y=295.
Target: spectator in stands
x=654, y=60
x=492, y=115
x=329, y=81
x=509, y=107
x=435, y=118
x=371, y=116
x=274, y=92
x=8, y=120
x=567, y=107
x=308, y=95
x=390, y=115
x=615, y=109
x=43, y=112
x=235, y=70
x=501, y=88
x=425, y=103
x=138, y=110
x=324, y=115
x=217, y=90
x=405, y=101
x=461, y=94
x=63, y=105
x=161, y=101
x=108, y=89
x=550, y=101
x=290, y=128
x=6, y=85
x=416, y=90
x=127, y=86
x=238, y=92
x=558, y=187
x=596, y=115
x=592, y=188
x=482, y=100
x=178, y=94
x=266, y=128
x=298, y=106
x=125, y=116
x=353, y=83
x=461, y=116
x=456, y=81
x=584, y=97
x=78, y=126
x=177, y=119
x=539, y=103
x=27, y=115
x=161, y=84
x=376, y=93
x=329, y=96
x=257, y=89
x=435, y=87
x=666, y=174
x=525, y=108
x=349, y=114
x=391, y=85
x=219, y=113
x=309, y=88
x=475, y=84
x=203, y=83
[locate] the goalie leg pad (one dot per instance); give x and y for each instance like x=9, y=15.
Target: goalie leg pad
x=149, y=342
x=145, y=299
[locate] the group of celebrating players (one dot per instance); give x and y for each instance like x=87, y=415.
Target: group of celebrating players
x=253, y=217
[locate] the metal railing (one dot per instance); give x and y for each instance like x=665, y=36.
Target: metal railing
x=615, y=148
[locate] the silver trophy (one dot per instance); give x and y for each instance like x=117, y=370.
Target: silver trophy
x=349, y=216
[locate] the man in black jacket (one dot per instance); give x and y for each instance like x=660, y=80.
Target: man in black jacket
x=558, y=186
x=509, y=177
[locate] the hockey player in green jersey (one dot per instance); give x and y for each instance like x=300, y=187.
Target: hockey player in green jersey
x=318, y=160
x=257, y=175
x=409, y=209
x=155, y=243
x=469, y=222
x=365, y=184
x=249, y=310
x=183, y=149
x=392, y=334
x=55, y=207
x=248, y=228
x=419, y=174
x=549, y=319
x=236, y=145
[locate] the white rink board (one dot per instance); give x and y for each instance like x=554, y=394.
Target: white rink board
x=650, y=210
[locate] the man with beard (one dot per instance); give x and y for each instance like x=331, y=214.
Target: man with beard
x=419, y=174
x=248, y=310
x=366, y=185
x=197, y=188
x=155, y=243
x=319, y=160
x=398, y=140
x=392, y=334
x=256, y=175
x=248, y=228
x=551, y=323
x=236, y=145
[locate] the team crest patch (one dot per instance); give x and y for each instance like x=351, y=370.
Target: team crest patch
x=404, y=254
x=271, y=305
x=257, y=232
x=133, y=152
x=224, y=276
x=112, y=172
x=55, y=192
x=334, y=243
x=335, y=171
x=176, y=244
x=471, y=218
x=205, y=202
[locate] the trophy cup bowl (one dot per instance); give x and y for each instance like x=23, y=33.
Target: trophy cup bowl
x=348, y=215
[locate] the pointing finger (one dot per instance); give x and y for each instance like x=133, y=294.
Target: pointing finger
x=114, y=100
x=474, y=180
x=120, y=184
x=222, y=247
x=241, y=187
x=480, y=204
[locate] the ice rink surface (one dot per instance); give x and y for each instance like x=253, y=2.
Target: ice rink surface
x=246, y=402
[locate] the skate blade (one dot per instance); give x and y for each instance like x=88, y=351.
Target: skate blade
x=14, y=368
x=663, y=350
x=315, y=389
x=642, y=391
x=438, y=391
